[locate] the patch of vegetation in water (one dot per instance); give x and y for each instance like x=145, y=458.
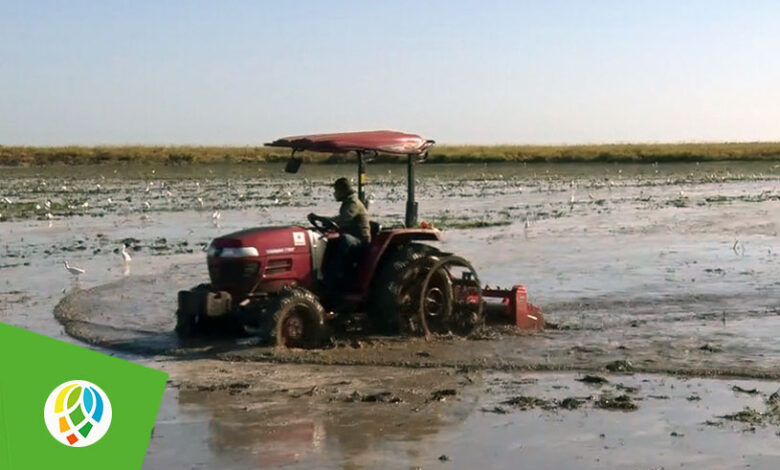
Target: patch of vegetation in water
x=34, y=210
x=623, y=402
x=447, y=223
x=747, y=415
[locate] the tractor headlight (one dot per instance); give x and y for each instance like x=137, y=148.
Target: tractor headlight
x=242, y=252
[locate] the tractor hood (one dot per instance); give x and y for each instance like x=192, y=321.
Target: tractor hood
x=260, y=241
x=263, y=258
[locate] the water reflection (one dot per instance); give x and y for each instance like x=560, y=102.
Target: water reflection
x=304, y=435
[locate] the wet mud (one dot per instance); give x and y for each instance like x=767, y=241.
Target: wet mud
x=694, y=341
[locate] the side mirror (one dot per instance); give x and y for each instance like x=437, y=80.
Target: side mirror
x=293, y=165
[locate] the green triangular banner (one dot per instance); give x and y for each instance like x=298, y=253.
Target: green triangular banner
x=65, y=406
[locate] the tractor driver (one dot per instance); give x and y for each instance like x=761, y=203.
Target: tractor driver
x=355, y=232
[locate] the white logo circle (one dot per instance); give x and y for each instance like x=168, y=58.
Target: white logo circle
x=77, y=413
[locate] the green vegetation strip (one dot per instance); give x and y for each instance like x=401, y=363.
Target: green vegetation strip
x=183, y=155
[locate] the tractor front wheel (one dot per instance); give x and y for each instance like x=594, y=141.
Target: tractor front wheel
x=297, y=319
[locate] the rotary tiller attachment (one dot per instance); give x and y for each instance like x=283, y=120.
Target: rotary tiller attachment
x=512, y=304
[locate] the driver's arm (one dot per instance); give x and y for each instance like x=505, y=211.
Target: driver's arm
x=347, y=214
x=342, y=218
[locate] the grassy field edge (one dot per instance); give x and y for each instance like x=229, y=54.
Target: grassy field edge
x=184, y=155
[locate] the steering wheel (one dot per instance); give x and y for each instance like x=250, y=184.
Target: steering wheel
x=323, y=224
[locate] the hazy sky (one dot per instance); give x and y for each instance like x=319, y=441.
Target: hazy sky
x=223, y=72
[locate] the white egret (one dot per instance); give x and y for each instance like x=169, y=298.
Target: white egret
x=125, y=255
x=73, y=270
x=526, y=224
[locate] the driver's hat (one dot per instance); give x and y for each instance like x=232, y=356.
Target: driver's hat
x=342, y=184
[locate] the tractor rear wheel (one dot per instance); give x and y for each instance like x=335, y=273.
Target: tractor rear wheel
x=297, y=319
x=431, y=295
x=387, y=297
x=465, y=310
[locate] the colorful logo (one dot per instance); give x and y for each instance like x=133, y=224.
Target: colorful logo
x=77, y=413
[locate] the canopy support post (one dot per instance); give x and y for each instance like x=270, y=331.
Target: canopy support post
x=361, y=179
x=411, y=204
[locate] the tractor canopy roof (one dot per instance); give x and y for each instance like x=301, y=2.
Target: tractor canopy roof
x=367, y=141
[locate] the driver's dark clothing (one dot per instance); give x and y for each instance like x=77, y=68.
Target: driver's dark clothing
x=343, y=253
x=355, y=235
x=353, y=219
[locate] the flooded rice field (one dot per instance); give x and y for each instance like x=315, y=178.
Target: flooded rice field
x=661, y=282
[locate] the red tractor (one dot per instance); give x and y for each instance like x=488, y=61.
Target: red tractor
x=269, y=280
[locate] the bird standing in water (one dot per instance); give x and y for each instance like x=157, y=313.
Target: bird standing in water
x=125, y=255
x=125, y=259
x=73, y=270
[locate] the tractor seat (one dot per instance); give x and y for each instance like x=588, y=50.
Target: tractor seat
x=375, y=228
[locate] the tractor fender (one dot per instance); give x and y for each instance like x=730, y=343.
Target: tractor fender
x=385, y=240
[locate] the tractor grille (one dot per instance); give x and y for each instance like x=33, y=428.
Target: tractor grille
x=236, y=277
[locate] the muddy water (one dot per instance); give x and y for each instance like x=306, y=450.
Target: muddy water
x=691, y=285
x=670, y=268
x=487, y=419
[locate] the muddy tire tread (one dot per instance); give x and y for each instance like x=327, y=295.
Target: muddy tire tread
x=383, y=307
x=285, y=301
